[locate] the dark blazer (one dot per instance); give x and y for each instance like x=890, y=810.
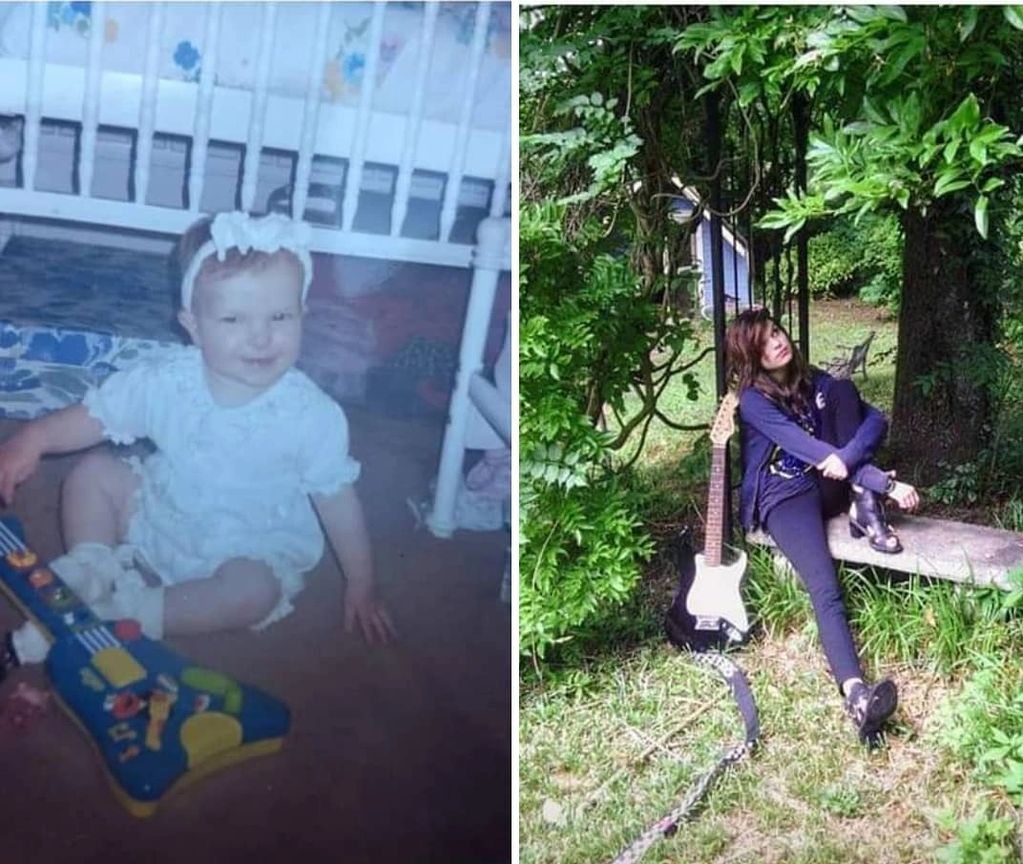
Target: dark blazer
x=765, y=423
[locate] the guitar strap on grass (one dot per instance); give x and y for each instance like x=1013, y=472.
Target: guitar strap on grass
x=668, y=825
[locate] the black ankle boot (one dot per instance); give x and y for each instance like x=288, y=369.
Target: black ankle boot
x=866, y=516
x=8, y=656
x=869, y=706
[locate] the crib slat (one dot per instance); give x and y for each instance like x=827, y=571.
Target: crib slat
x=147, y=111
x=502, y=178
x=454, y=182
x=204, y=107
x=90, y=103
x=34, y=95
x=257, y=116
x=403, y=184
x=311, y=114
x=353, y=180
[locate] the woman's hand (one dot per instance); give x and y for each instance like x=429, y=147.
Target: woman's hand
x=904, y=495
x=363, y=608
x=833, y=468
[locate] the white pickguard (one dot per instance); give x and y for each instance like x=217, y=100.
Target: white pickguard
x=715, y=592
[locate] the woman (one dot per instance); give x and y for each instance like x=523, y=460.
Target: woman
x=807, y=441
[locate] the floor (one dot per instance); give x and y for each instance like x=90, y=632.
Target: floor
x=395, y=754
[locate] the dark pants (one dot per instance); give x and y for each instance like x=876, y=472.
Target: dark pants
x=797, y=525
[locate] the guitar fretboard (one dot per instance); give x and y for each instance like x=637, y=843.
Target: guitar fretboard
x=715, y=507
x=76, y=618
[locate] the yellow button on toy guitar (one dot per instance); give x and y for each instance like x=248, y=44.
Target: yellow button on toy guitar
x=209, y=733
x=118, y=666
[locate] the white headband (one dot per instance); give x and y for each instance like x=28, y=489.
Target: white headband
x=238, y=230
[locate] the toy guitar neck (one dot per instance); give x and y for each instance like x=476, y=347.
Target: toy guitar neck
x=157, y=720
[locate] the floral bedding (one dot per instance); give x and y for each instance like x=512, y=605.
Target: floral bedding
x=125, y=26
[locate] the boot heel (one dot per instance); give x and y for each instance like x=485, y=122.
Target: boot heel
x=855, y=531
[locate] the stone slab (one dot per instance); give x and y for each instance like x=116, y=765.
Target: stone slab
x=940, y=548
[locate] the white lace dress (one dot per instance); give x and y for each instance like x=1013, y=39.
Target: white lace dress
x=225, y=482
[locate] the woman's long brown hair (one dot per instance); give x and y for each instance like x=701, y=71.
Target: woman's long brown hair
x=744, y=345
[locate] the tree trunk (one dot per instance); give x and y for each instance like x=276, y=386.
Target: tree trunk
x=942, y=412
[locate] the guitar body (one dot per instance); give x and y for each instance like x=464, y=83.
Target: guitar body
x=157, y=720
x=707, y=612
x=715, y=593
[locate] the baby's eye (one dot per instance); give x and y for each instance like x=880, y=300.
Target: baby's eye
x=229, y=319
x=282, y=316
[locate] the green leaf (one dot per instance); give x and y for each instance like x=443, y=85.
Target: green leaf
x=991, y=184
x=967, y=115
x=967, y=23
x=861, y=14
x=1014, y=15
x=980, y=216
x=949, y=181
x=793, y=229
x=978, y=151
x=893, y=13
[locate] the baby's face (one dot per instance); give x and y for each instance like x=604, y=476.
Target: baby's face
x=249, y=329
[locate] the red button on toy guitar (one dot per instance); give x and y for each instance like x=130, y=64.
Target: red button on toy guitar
x=127, y=629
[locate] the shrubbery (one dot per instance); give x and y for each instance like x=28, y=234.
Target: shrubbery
x=864, y=259
x=582, y=320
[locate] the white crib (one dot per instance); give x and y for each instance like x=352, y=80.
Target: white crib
x=422, y=118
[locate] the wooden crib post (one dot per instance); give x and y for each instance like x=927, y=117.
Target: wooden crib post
x=147, y=110
x=257, y=115
x=353, y=173
x=90, y=105
x=453, y=187
x=204, y=108
x=489, y=259
x=310, y=115
x=34, y=97
x=403, y=183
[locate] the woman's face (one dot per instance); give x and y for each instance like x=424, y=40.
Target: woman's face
x=776, y=352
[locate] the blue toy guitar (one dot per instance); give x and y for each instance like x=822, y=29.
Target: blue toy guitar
x=158, y=721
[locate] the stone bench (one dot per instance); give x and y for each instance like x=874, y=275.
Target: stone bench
x=931, y=547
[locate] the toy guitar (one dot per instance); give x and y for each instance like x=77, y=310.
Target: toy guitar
x=158, y=721
x=708, y=611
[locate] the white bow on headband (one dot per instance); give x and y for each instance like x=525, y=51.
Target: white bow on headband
x=238, y=230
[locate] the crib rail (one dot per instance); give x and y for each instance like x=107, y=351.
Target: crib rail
x=258, y=120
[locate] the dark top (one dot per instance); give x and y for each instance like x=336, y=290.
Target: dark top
x=780, y=450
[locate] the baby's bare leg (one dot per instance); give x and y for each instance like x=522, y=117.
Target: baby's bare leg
x=96, y=500
x=241, y=593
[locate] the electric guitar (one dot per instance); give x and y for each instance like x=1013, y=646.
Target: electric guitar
x=157, y=720
x=708, y=611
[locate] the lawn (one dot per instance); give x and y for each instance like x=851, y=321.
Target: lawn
x=613, y=742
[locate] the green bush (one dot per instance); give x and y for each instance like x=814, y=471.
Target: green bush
x=864, y=259
x=581, y=551
x=582, y=321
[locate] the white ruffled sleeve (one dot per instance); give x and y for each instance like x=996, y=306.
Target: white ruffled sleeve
x=328, y=465
x=122, y=402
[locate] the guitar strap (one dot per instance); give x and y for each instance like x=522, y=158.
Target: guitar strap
x=668, y=825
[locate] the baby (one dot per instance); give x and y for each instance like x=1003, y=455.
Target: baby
x=217, y=528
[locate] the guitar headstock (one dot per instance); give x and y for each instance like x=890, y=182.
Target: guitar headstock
x=724, y=422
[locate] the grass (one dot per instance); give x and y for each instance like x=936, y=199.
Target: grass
x=609, y=749
x=613, y=741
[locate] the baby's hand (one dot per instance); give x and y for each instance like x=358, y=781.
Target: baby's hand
x=362, y=606
x=19, y=456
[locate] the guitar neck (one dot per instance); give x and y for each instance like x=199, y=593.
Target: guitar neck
x=715, y=507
